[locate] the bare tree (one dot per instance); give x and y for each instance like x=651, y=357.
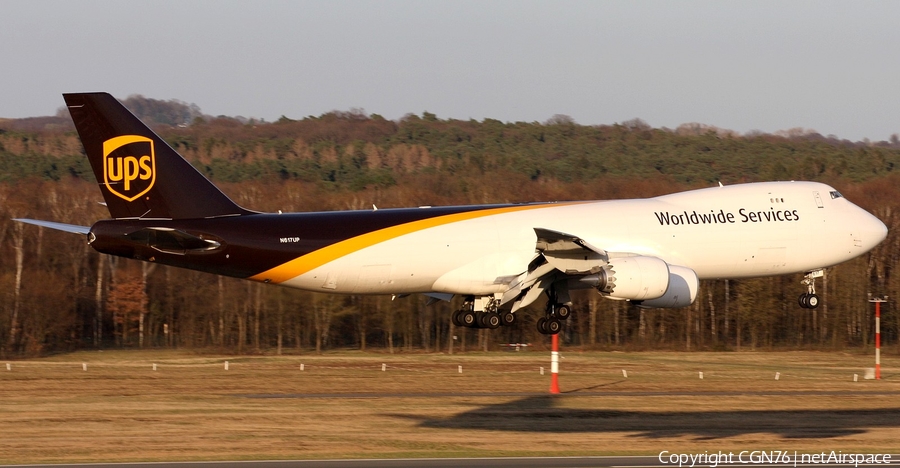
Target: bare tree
x=18, y=246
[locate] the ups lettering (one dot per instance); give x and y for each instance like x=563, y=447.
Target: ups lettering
x=128, y=168
x=129, y=172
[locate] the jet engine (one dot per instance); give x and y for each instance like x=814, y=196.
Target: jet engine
x=634, y=278
x=647, y=281
x=683, y=286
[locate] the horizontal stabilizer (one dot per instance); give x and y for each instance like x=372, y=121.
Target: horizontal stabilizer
x=73, y=228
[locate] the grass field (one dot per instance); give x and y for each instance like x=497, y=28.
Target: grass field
x=342, y=405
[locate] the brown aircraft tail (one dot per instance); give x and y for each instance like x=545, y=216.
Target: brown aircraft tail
x=140, y=175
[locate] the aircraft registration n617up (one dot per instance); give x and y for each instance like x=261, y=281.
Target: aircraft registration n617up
x=500, y=258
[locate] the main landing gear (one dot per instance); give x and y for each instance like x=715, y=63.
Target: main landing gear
x=558, y=310
x=482, y=312
x=809, y=299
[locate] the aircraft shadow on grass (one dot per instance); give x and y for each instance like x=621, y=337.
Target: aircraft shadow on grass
x=542, y=414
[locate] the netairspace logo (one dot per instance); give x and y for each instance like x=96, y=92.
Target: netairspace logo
x=771, y=457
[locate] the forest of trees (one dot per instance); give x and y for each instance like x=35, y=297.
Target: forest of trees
x=57, y=294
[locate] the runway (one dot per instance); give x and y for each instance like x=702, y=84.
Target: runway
x=549, y=462
x=565, y=394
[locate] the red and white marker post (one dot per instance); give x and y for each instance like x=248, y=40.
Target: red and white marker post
x=554, y=365
x=877, y=302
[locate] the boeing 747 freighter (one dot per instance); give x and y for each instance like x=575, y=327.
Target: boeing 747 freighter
x=500, y=258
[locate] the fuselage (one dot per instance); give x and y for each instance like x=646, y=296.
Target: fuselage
x=735, y=231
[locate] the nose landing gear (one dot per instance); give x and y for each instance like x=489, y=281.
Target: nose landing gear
x=809, y=299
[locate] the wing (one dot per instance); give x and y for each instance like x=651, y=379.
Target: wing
x=569, y=254
x=558, y=256
x=564, y=262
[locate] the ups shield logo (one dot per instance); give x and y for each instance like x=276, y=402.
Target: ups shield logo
x=129, y=166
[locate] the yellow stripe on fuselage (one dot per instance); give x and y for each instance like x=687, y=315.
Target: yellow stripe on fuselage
x=317, y=258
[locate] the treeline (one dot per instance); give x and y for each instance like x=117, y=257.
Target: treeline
x=58, y=294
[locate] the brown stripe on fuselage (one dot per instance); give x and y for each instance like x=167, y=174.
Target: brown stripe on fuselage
x=252, y=246
x=315, y=259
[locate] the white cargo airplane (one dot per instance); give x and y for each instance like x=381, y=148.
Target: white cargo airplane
x=500, y=258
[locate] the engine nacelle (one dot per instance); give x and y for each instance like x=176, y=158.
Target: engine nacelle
x=648, y=281
x=682, y=291
x=635, y=278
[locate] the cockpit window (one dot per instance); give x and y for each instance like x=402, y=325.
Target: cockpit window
x=836, y=194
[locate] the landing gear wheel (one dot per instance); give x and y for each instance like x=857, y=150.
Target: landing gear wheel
x=542, y=325
x=508, y=318
x=553, y=326
x=490, y=320
x=812, y=301
x=479, y=320
x=809, y=301
x=467, y=319
x=563, y=311
x=456, y=317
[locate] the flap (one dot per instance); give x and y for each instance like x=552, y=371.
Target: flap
x=569, y=254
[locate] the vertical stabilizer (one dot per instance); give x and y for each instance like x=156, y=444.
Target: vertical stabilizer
x=140, y=175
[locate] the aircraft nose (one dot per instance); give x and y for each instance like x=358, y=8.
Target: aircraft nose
x=872, y=231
